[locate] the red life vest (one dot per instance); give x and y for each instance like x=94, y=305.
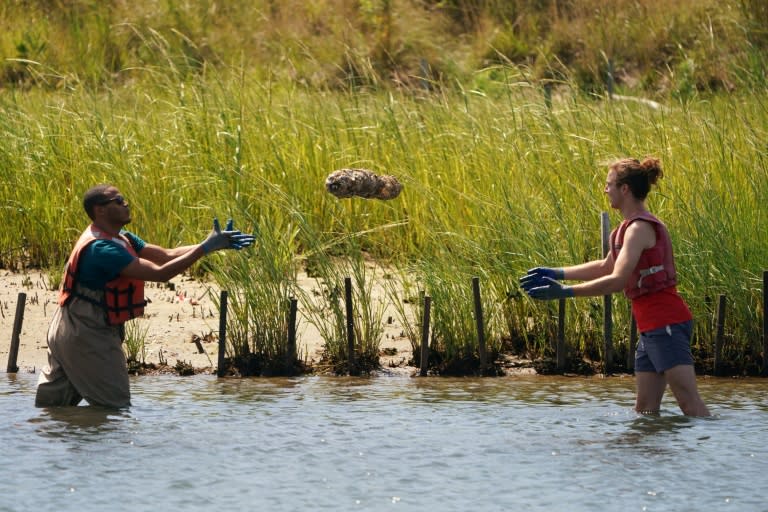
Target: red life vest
x=123, y=296
x=655, y=270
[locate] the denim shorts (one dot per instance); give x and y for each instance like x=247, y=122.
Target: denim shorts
x=661, y=349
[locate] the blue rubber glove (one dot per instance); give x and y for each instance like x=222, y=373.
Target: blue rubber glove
x=552, y=273
x=227, y=239
x=549, y=289
x=535, y=276
x=239, y=240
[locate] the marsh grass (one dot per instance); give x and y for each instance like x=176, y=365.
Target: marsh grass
x=260, y=282
x=662, y=48
x=135, y=342
x=406, y=295
x=493, y=185
x=54, y=278
x=454, y=339
x=325, y=307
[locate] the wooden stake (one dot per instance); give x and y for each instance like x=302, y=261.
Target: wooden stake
x=350, y=325
x=222, y=332
x=291, y=357
x=13, y=353
x=480, y=327
x=424, y=359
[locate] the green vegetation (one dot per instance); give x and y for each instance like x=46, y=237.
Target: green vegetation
x=241, y=109
x=325, y=307
x=260, y=287
x=658, y=46
x=135, y=344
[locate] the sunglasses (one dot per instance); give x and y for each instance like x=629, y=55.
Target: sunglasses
x=119, y=199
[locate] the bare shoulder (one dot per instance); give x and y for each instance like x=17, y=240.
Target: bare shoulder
x=642, y=233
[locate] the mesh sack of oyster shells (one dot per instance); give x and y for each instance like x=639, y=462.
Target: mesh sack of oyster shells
x=362, y=183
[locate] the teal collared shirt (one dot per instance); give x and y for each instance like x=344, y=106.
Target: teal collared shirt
x=103, y=260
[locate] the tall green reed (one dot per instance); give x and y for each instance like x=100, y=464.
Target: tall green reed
x=325, y=306
x=454, y=340
x=135, y=342
x=261, y=282
x=493, y=184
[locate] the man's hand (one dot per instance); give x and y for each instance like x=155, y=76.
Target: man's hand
x=547, y=288
x=227, y=239
x=239, y=240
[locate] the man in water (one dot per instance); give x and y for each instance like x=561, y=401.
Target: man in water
x=103, y=288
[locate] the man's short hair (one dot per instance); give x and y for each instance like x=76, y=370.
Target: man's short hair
x=95, y=195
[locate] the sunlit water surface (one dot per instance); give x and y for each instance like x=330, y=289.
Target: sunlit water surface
x=385, y=443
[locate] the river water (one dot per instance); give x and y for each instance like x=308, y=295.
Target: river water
x=528, y=443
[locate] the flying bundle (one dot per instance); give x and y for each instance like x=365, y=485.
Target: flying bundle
x=362, y=183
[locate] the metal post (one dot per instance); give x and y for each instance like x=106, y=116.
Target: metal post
x=632, y=340
x=424, y=359
x=479, y=323
x=605, y=225
x=222, y=332
x=13, y=353
x=709, y=338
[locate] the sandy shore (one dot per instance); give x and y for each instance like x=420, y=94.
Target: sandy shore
x=178, y=314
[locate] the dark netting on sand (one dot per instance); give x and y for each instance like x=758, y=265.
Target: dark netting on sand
x=362, y=183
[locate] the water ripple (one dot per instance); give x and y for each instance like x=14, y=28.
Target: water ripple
x=321, y=443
